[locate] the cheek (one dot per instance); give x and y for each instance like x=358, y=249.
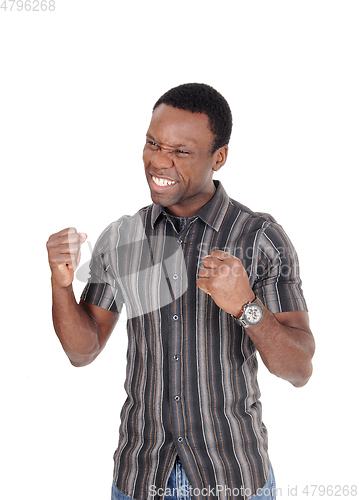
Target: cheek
x=146, y=157
x=199, y=176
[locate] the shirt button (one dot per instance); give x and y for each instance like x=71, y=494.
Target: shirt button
x=175, y=317
x=175, y=276
x=176, y=398
x=179, y=241
x=180, y=439
x=175, y=357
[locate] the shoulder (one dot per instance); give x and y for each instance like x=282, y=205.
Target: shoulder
x=126, y=221
x=257, y=220
x=262, y=226
x=116, y=230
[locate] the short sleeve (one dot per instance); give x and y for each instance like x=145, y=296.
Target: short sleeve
x=102, y=289
x=278, y=284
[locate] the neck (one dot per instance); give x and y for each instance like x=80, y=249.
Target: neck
x=191, y=206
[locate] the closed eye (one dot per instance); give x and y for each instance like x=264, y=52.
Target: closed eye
x=152, y=144
x=180, y=151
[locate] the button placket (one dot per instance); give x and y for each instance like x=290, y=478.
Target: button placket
x=175, y=275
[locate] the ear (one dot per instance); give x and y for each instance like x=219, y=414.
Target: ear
x=220, y=157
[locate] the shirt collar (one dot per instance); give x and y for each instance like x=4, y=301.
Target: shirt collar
x=212, y=213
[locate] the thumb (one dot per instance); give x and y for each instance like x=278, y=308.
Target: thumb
x=83, y=237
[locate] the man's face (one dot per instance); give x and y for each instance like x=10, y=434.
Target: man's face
x=178, y=162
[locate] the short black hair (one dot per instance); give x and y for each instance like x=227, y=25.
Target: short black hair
x=201, y=98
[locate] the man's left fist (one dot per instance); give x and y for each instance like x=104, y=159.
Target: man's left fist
x=224, y=278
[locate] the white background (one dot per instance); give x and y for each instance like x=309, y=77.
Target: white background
x=77, y=88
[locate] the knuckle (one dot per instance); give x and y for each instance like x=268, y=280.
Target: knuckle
x=73, y=237
x=51, y=239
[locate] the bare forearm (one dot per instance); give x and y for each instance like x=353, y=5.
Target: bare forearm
x=286, y=351
x=75, y=329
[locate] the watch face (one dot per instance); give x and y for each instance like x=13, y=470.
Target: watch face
x=253, y=314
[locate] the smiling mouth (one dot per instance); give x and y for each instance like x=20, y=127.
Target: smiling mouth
x=161, y=182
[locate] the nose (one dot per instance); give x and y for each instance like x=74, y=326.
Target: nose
x=161, y=159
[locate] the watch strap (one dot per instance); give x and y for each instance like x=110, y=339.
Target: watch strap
x=242, y=320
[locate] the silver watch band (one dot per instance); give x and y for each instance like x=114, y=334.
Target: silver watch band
x=244, y=321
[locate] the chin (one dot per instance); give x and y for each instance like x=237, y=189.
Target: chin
x=159, y=200
x=162, y=199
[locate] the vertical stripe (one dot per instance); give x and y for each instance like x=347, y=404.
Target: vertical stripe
x=191, y=377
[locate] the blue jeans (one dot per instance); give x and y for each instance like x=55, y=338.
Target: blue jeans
x=179, y=488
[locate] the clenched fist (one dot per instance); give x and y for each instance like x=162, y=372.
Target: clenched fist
x=64, y=250
x=224, y=278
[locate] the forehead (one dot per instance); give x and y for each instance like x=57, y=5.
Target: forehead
x=174, y=126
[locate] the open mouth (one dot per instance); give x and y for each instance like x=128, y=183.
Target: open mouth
x=161, y=182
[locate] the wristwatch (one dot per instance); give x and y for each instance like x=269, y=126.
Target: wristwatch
x=252, y=313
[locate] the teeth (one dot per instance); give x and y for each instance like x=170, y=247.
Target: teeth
x=162, y=182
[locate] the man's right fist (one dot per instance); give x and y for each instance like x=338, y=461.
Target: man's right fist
x=64, y=249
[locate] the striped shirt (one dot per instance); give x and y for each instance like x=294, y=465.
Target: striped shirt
x=191, y=379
